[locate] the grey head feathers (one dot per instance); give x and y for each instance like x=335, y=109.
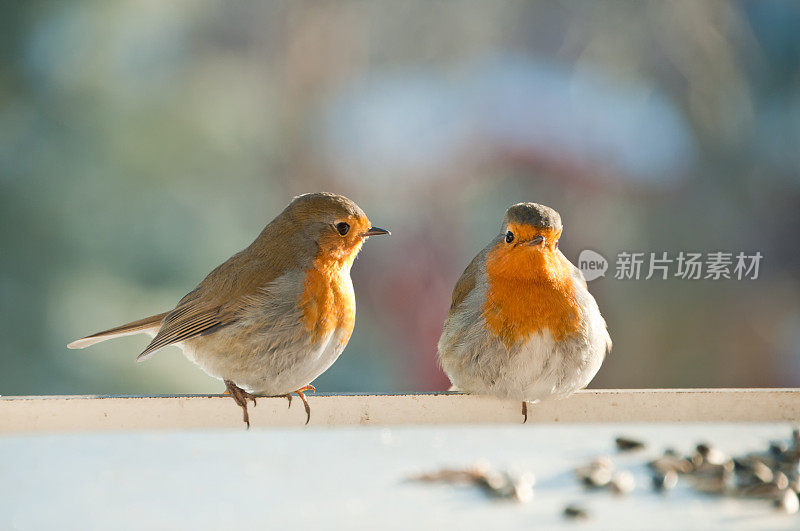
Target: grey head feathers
x=533, y=214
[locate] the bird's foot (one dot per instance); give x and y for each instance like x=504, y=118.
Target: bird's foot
x=300, y=392
x=240, y=396
x=524, y=412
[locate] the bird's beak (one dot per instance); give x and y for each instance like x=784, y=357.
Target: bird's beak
x=375, y=231
x=536, y=240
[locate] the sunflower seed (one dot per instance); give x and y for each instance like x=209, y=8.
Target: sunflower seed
x=761, y=472
x=596, y=478
x=708, y=454
x=622, y=482
x=780, y=480
x=788, y=502
x=597, y=473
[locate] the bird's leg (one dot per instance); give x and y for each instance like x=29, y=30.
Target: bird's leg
x=524, y=412
x=309, y=387
x=302, y=396
x=240, y=396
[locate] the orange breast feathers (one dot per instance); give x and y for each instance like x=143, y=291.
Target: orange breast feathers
x=327, y=300
x=530, y=289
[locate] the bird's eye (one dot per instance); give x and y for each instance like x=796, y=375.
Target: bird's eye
x=509, y=237
x=342, y=228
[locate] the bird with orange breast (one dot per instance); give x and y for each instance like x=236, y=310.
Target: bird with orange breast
x=522, y=323
x=276, y=315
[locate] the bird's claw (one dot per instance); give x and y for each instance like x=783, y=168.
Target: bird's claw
x=301, y=393
x=240, y=396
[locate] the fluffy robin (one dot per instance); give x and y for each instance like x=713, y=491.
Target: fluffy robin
x=522, y=323
x=276, y=315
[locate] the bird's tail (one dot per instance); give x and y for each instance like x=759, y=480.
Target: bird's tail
x=142, y=326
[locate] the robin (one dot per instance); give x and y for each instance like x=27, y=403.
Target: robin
x=522, y=323
x=276, y=315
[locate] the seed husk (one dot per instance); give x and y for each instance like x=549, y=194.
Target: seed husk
x=763, y=490
x=575, y=512
x=596, y=478
x=723, y=472
x=596, y=474
x=663, y=481
x=708, y=454
x=710, y=486
x=669, y=463
x=496, y=484
x=777, y=448
x=627, y=444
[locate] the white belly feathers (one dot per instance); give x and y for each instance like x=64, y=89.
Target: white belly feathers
x=277, y=356
x=533, y=370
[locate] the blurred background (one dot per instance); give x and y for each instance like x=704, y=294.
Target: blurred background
x=143, y=142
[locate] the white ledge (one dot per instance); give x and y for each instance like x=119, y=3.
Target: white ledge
x=102, y=413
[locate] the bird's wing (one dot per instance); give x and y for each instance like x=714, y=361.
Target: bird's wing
x=189, y=319
x=469, y=278
x=216, y=302
x=577, y=275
